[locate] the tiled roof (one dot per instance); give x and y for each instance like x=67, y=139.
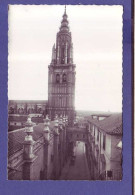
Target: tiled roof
x=15, y=140
x=16, y=137
x=111, y=124
x=117, y=130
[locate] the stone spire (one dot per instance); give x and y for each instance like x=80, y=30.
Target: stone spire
x=53, y=54
x=64, y=22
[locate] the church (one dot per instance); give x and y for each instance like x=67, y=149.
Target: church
x=59, y=147
x=61, y=81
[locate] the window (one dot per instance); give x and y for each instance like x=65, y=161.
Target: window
x=97, y=135
x=57, y=78
x=62, y=55
x=104, y=141
x=94, y=130
x=68, y=55
x=64, y=79
x=91, y=127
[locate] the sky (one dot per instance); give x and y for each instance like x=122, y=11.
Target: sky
x=97, y=42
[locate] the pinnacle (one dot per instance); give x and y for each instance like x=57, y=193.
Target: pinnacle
x=64, y=22
x=65, y=10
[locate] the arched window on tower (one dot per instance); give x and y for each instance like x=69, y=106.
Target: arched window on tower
x=57, y=78
x=64, y=78
x=62, y=56
x=68, y=55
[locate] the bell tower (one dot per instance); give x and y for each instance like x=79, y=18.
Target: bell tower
x=61, y=78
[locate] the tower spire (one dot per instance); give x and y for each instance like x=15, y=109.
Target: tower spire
x=64, y=23
x=65, y=9
x=62, y=74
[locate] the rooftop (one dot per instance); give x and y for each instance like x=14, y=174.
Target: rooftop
x=28, y=101
x=16, y=137
x=111, y=124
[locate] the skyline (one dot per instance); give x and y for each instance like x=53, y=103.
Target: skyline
x=102, y=90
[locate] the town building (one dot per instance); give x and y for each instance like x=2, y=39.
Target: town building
x=104, y=149
x=23, y=107
x=19, y=110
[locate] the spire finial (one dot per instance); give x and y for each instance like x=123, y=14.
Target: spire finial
x=65, y=9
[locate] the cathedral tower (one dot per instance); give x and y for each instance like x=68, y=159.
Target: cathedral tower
x=61, y=78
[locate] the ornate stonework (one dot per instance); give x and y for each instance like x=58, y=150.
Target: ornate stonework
x=61, y=83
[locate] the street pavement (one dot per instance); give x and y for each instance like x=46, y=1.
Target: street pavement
x=79, y=170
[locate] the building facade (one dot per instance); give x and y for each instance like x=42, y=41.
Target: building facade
x=104, y=149
x=23, y=107
x=19, y=110
x=61, y=83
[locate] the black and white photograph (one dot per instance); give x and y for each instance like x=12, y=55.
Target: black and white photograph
x=65, y=92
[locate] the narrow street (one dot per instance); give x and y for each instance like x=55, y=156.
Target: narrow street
x=79, y=169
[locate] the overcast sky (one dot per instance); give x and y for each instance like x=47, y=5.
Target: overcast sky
x=97, y=41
